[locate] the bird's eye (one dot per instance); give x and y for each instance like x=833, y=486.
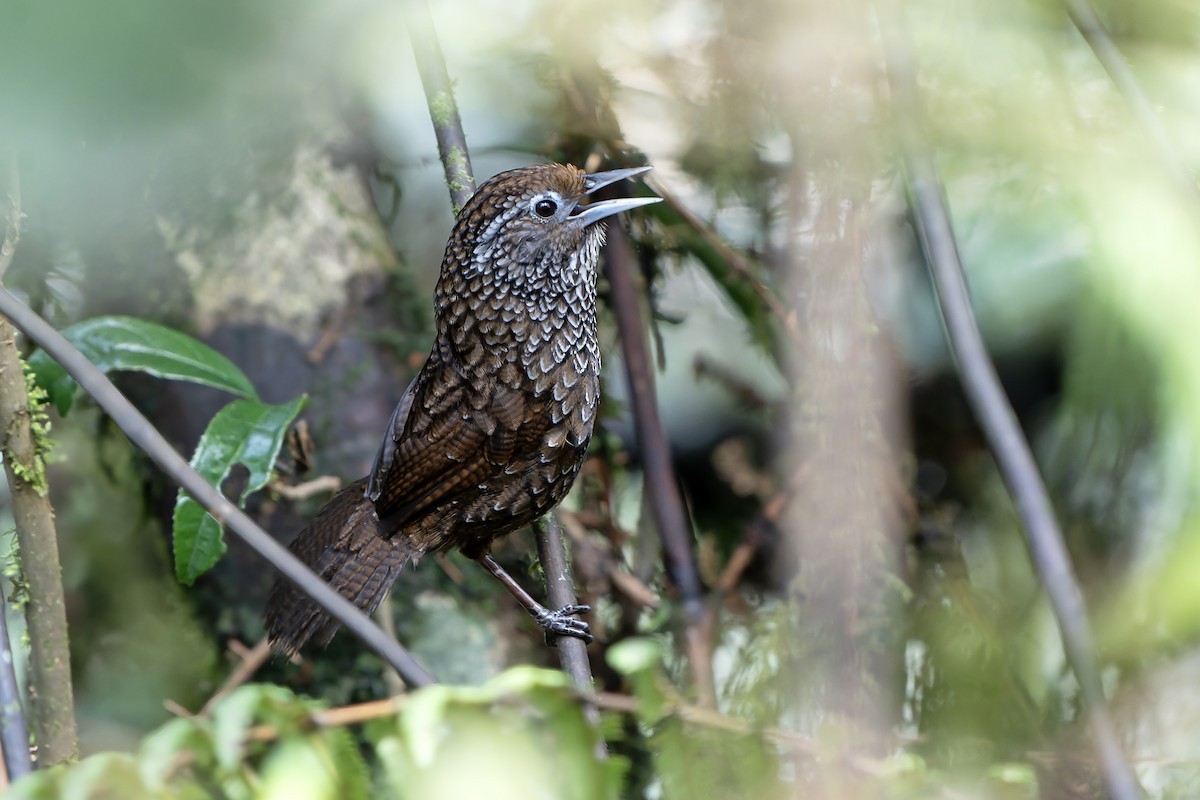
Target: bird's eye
x=545, y=208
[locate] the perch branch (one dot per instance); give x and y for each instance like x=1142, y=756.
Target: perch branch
x=572, y=652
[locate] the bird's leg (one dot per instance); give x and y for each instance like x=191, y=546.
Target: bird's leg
x=556, y=623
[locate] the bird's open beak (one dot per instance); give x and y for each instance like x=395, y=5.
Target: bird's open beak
x=587, y=215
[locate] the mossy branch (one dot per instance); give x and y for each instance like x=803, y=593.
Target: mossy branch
x=24, y=442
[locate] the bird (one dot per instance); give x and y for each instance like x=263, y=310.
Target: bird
x=491, y=433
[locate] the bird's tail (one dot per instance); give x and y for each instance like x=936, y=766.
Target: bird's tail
x=347, y=546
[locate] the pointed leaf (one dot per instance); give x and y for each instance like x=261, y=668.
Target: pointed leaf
x=127, y=343
x=244, y=432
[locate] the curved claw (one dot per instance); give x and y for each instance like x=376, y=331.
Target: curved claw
x=560, y=623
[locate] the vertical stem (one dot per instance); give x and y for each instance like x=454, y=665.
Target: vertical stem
x=50, y=658
x=560, y=592
x=14, y=735
x=37, y=539
x=443, y=109
x=663, y=490
x=572, y=652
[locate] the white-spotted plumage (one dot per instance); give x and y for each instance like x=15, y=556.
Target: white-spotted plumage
x=494, y=429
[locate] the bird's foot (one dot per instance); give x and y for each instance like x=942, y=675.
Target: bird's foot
x=561, y=623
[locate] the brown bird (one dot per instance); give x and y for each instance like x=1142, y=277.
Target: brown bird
x=490, y=434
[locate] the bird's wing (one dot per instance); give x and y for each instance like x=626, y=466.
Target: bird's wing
x=387, y=448
x=448, y=437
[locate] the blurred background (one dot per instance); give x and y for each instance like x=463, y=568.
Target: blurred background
x=264, y=177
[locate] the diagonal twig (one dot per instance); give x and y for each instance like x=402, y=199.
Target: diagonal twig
x=146, y=436
x=1089, y=26
x=250, y=661
x=993, y=411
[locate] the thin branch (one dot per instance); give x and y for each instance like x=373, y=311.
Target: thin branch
x=251, y=661
x=756, y=533
x=146, y=436
x=1089, y=26
x=994, y=413
x=572, y=652
x=708, y=718
x=665, y=501
x=443, y=109
x=326, y=484
x=53, y=707
x=14, y=735
x=456, y=161
x=46, y=615
x=560, y=592
x=339, y=717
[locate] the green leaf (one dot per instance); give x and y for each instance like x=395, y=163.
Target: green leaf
x=250, y=705
x=244, y=432
x=634, y=655
x=300, y=769
x=523, y=734
x=40, y=785
x=127, y=343
x=158, y=757
x=322, y=765
x=105, y=775
x=640, y=661
x=1015, y=775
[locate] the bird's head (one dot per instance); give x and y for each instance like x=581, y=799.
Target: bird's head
x=533, y=225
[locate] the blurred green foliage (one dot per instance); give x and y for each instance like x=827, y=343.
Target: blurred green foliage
x=520, y=735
